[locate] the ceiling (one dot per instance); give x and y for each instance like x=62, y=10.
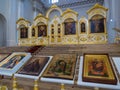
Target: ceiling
x=71, y=3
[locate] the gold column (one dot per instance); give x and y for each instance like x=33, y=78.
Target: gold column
x=36, y=87
x=14, y=83
x=96, y=88
x=48, y=39
x=62, y=87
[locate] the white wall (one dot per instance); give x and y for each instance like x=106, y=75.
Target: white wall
x=2, y=30
x=82, y=10
x=9, y=9
x=28, y=10
x=4, y=8
x=3, y=21
x=113, y=19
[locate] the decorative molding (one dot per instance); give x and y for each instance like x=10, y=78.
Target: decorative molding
x=80, y=3
x=68, y=10
x=53, y=7
x=22, y=19
x=97, y=6
x=40, y=15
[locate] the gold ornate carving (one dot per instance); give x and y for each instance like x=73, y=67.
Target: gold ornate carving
x=24, y=22
x=22, y=19
x=53, y=7
x=56, y=27
x=117, y=38
x=39, y=16
x=96, y=6
x=68, y=10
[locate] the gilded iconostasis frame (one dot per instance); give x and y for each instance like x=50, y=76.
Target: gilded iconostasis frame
x=66, y=28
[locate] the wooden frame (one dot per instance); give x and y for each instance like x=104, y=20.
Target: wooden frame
x=97, y=68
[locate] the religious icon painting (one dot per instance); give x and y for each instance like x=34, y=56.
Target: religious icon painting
x=23, y=32
x=9, y=64
x=98, y=68
x=97, y=24
x=83, y=27
x=33, y=32
x=13, y=62
x=34, y=67
x=70, y=28
x=42, y=30
x=3, y=56
x=62, y=66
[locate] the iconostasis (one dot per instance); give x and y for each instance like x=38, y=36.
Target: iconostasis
x=64, y=29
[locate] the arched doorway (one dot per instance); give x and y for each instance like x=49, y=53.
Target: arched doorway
x=2, y=30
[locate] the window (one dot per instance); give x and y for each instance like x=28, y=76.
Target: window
x=54, y=1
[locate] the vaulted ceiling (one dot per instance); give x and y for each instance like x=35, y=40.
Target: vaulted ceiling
x=71, y=3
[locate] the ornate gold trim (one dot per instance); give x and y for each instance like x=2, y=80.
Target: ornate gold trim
x=53, y=7
x=20, y=19
x=68, y=10
x=39, y=15
x=97, y=6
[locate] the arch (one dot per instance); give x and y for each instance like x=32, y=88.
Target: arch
x=2, y=30
x=53, y=7
x=69, y=26
x=97, y=24
x=69, y=20
x=83, y=25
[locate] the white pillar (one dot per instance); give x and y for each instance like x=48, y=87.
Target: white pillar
x=20, y=8
x=111, y=19
x=35, y=8
x=11, y=24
